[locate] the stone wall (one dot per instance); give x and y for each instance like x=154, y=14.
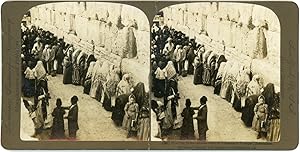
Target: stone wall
x=104, y=26
x=232, y=29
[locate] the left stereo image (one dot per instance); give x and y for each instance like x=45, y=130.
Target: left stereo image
x=85, y=69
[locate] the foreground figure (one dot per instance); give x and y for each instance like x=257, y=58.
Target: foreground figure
x=202, y=119
x=73, y=118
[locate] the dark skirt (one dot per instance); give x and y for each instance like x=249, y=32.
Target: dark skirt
x=229, y=92
x=218, y=85
x=247, y=111
x=67, y=79
x=198, y=75
x=159, y=88
x=29, y=88
x=76, y=74
x=87, y=86
x=118, y=111
x=107, y=103
x=237, y=103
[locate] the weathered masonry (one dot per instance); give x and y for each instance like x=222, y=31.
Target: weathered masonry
x=235, y=29
x=115, y=32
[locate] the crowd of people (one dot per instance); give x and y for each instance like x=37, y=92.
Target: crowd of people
x=44, y=55
x=174, y=54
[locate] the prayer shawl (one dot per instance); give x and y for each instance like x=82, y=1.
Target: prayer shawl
x=124, y=86
x=39, y=70
x=90, y=70
x=112, y=81
x=170, y=71
x=95, y=79
x=253, y=87
x=29, y=74
x=242, y=81
x=159, y=74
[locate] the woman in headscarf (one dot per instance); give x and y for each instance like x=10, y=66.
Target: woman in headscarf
x=118, y=111
x=206, y=71
x=198, y=68
x=110, y=88
x=273, y=133
x=124, y=85
x=232, y=79
x=219, y=60
x=81, y=63
x=243, y=79
x=191, y=57
x=76, y=68
x=140, y=94
x=90, y=58
x=218, y=81
x=225, y=81
x=88, y=77
x=68, y=70
x=170, y=71
x=160, y=81
x=254, y=87
x=41, y=74
x=260, y=117
x=213, y=69
x=96, y=80
x=144, y=124
x=131, y=114
x=269, y=94
x=29, y=81
x=247, y=110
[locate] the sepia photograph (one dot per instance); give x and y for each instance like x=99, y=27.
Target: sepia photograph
x=215, y=73
x=85, y=72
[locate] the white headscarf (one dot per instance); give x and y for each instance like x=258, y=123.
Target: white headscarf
x=39, y=70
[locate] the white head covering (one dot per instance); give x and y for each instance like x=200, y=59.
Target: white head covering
x=39, y=70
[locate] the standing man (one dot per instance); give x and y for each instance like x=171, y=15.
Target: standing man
x=202, y=119
x=73, y=118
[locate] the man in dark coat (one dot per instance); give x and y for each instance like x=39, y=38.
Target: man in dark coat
x=202, y=119
x=73, y=118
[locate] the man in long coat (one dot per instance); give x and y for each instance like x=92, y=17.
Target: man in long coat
x=202, y=119
x=73, y=118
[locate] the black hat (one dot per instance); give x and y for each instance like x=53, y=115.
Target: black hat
x=203, y=100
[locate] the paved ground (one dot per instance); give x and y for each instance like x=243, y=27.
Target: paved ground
x=224, y=122
x=94, y=121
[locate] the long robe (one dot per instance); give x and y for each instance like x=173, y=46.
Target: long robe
x=191, y=57
x=218, y=81
x=225, y=81
x=96, y=80
x=76, y=68
x=187, y=129
x=68, y=71
x=144, y=126
x=242, y=81
x=247, y=111
x=198, y=72
x=118, y=111
x=58, y=127
x=87, y=82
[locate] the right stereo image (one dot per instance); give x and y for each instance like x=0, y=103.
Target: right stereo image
x=215, y=73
